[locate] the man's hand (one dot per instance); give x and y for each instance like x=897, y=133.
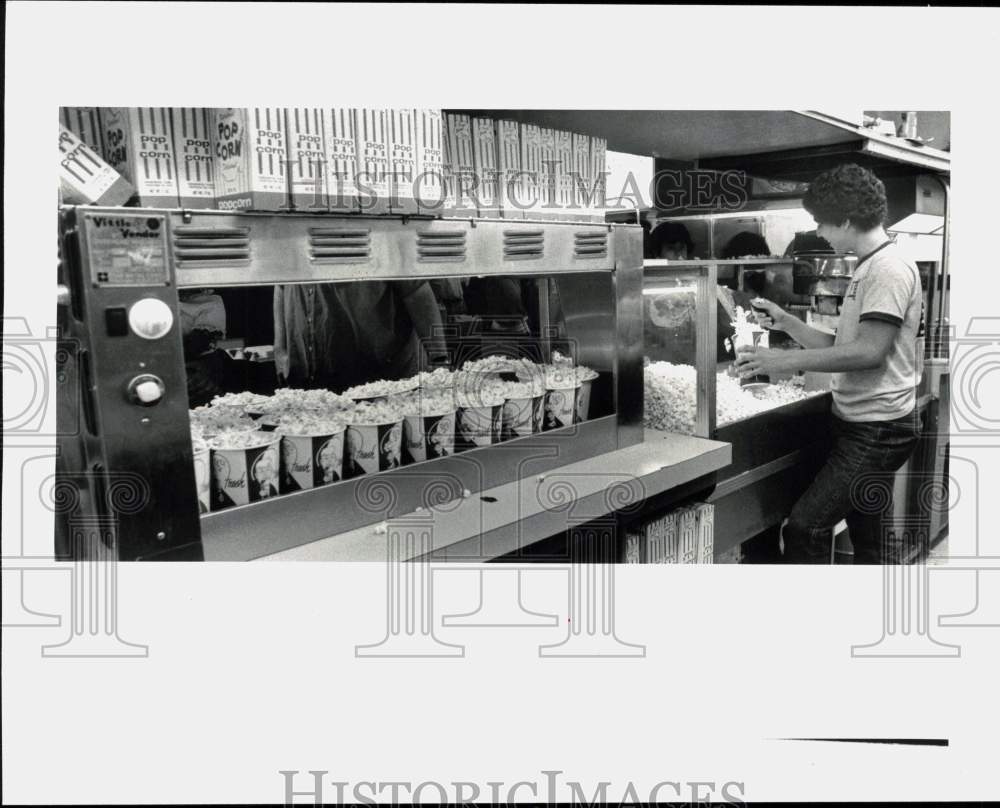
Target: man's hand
x=773, y=315
x=766, y=361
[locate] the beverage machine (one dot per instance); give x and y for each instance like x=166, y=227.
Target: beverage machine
x=125, y=452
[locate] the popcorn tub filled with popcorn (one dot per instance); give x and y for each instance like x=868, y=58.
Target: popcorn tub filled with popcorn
x=561, y=392
x=518, y=418
x=429, y=425
x=312, y=452
x=245, y=468
x=202, y=473
x=479, y=418
x=374, y=439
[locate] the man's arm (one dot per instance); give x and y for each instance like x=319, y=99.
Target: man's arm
x=867, y=352
x=806, y=336
x=422, y=307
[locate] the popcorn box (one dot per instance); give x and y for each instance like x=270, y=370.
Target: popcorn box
x=371, y=448
x=251, y=154
x=706, y=532
x=341, y=141
x=633, y=547
x=203, y=479
x=599, y=172
x=310, y=461
x=371, y=128
x=139, y=145
x=245, y=475
x=531, y=155
x=191, y=127
x=512, y=203
x=84, y=178
x=688, y=536
x=85, y=123
x=429, y=188
x=459, y=166
x=565, y=191
x=538, y=413
x=429, y=436
x=306, y=158
x=487, y=168
x=545, y=195
x=401, y=147
x=583, y=180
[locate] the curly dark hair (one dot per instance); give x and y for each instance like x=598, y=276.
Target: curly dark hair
x=670, y=233
x=847, y=193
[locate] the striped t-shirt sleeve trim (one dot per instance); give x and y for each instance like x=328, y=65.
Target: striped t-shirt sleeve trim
x=881, y=316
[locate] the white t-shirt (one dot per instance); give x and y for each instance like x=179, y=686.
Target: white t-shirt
x=885, y=287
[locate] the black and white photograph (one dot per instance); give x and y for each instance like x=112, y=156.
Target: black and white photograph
x=643, y=411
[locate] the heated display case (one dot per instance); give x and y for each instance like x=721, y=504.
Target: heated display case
x=123, y=273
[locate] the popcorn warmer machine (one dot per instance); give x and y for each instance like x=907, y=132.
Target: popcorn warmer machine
x=777, y=434
x=121, y=274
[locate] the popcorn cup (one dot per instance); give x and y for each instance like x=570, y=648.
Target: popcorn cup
x=371, y=448
x=247, y=474
x=560, y=406
x=479, y=426
x=203, y=479
x=538, y=413
x=583, y=401
x=309, y=461
x=756, y=338
x=518, y=418
x=429, y=436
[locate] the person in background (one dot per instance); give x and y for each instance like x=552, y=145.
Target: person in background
x=647, y=238
x=338, y=335
x=874, y=362
x=807, y=242
x=671, y=240
x=740, y=245
x=203, y=324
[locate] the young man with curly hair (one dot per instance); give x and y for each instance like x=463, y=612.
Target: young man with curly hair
x=875, y=365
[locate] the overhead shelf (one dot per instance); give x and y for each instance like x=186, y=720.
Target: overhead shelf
x=779, y=144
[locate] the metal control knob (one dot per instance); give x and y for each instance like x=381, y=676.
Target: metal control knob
x=146, y=390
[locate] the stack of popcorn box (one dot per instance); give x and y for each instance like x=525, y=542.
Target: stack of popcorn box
x=429, y=188
x=139, y=145
x=371, y=127
x=486, y=165
x=401, y=148
x=307, y=156
x=509, y=154
x=85, y=123
x=251, y=158
x=531, y=169
x=341, y=144
x=192, y=132
x=682, y=536
x=459, y=165
x=84, y=177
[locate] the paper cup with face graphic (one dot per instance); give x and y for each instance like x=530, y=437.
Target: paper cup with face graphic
x=245, y=467
x=429, y=436
x=586, y=378
x=560, y=404
x=310, y=457
x=203, y=475
x=370, y=448
x=538, y=413
x=518, y=414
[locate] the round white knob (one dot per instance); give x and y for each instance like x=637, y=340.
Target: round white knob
x=148, y=392
x=150, y=318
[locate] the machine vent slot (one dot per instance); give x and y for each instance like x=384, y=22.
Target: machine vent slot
x=441, y=245
x=87, y=390
x=590, y=245
x=521, y=245
x=211, y=246
x=340, y=245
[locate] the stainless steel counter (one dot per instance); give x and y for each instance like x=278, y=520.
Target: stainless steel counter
x=501, y=519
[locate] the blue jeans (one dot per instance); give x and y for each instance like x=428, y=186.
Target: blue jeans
x=856, y=485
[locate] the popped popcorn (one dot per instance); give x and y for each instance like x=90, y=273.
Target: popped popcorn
x=249, y=402
x=487, y=395
x=380, y=388
x=368, y=413
x=306, y=423
x=241, y=440
x=671, y=397
x=492, y=364
x=440, y=377
x=213, y=420
x=428, y=402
